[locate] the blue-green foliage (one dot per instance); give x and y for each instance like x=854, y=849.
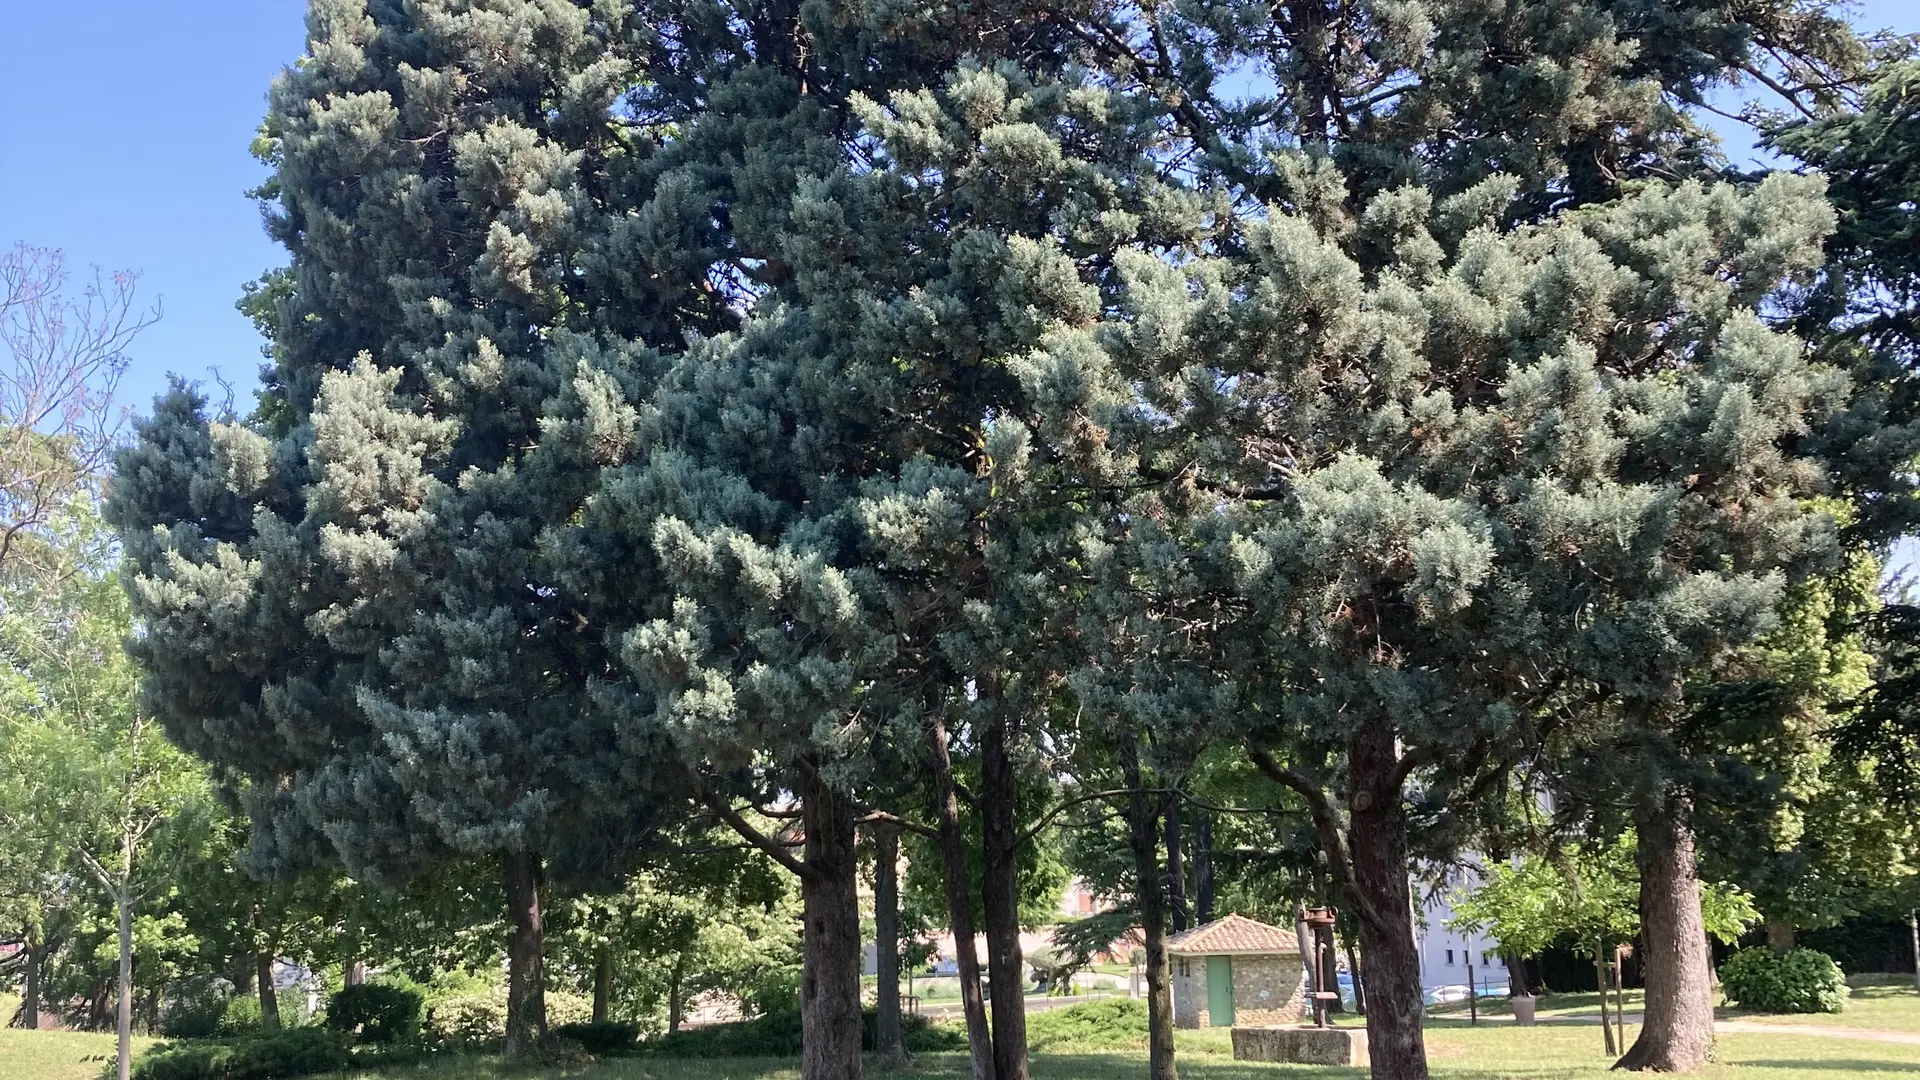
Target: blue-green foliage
x=264, y=1056
x=1801, y=981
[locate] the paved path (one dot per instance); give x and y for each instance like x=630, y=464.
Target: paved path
x=1753, y=1027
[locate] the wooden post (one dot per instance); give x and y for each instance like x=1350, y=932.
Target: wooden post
x=1913, y=924
x=1473, y=994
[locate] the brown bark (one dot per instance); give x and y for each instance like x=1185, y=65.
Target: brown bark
x=30, y=999
x=1177, y=913
x=1780, y=936
x=1202, y=868
x=1153, y=916
x=526, y=971
x=830, y=946
x=602, y=984
x=1000, y=902
x=263, y=982
x=356, y=973
x=676, y=998
x=887, y=1041
x=953, y=858
x=1600, y=980
x=1677, y=1033
x=1378, y=846
x=1359, y=985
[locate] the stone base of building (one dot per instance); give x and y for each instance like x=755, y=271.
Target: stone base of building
x=1301, y=1045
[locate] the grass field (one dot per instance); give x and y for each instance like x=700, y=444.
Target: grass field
x=1495, y=1050
x=1878, y=1003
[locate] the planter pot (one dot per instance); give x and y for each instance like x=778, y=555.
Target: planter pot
x=1522, y=1008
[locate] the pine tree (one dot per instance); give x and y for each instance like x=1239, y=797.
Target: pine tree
x=345, y=602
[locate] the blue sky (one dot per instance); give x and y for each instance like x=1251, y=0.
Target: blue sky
x=124, y=127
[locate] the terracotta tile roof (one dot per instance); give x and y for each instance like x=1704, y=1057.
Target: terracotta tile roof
x=1234, y=935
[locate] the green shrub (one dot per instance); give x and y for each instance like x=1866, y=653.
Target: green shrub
x=193, y=1008
x=1802, y=981
x=601, y=1037
x=469, y=1019
x=242, y=1015
x=564, y=1009
x=1112, y=1024
x=376, y=1012
x=778, y=1035
x=263, y=1056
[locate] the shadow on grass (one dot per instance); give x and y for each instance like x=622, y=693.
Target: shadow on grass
x=1089, y=1066
x=1831, y=1065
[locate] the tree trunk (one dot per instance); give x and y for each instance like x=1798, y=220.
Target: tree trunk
x=1202, y=867
x=1600, y=980
x=355, y=974
x=1780, y=937
x=1177, y=912
x=886, y=946
x=676, y=998
x=1378, y=834
x=953, y=858
x=830, y=946
x=123, y=1027
x=1153, y=915
x=30, y=999
x=526, y=971
x=602, y=984
x=269, y=998
x=1677, y=1033
x=1359, y=986
x=1000, y=902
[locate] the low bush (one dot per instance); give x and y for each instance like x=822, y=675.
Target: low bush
x=264, y=1056
x=469, y=1019
x=778, y=1035
x=376, y=1012
x=564, y=1009
x=1112, y=1024
x=1801, y=981
x=601, y=1037
x=193, y=1008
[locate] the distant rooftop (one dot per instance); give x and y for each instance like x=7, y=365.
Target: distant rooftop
x=1234, y=936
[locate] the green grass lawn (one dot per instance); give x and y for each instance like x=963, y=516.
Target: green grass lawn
x=1495, y=1050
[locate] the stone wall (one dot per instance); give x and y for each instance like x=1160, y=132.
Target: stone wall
x=1267, y=990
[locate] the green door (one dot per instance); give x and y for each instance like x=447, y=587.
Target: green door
x=1220, y=991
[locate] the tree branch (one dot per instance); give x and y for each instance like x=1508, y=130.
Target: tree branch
x=1327, y=825
x=773, y=849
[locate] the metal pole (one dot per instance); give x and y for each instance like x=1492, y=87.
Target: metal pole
x=1913, y=923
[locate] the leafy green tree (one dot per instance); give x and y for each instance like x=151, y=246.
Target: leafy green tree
x=84, y=772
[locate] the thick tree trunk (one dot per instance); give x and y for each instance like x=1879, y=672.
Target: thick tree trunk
x=269, y=998
x=1677, y=1034
x=1177, y=911
x=1780, y=936
x=526, y=968
x=1202, y=867
x=602, y=984
x=355, y=974
x=30, y=996
x=886, y=946
x=1378, y=839
x=1153, y=916
x=123, y=1017
x=1000, y=902
x=830, y=945
x=953, y=858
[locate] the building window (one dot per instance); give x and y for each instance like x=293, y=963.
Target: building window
x=1449, y=957
x=1184, y=972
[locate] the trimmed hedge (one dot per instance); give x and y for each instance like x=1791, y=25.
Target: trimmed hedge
x=1112, y=1024
x=778, y=1035
x=265, y=1056
x=602, y=1037
x=376, y=1012
x=1801, y=981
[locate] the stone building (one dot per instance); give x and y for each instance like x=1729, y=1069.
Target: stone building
x=1237, y=971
